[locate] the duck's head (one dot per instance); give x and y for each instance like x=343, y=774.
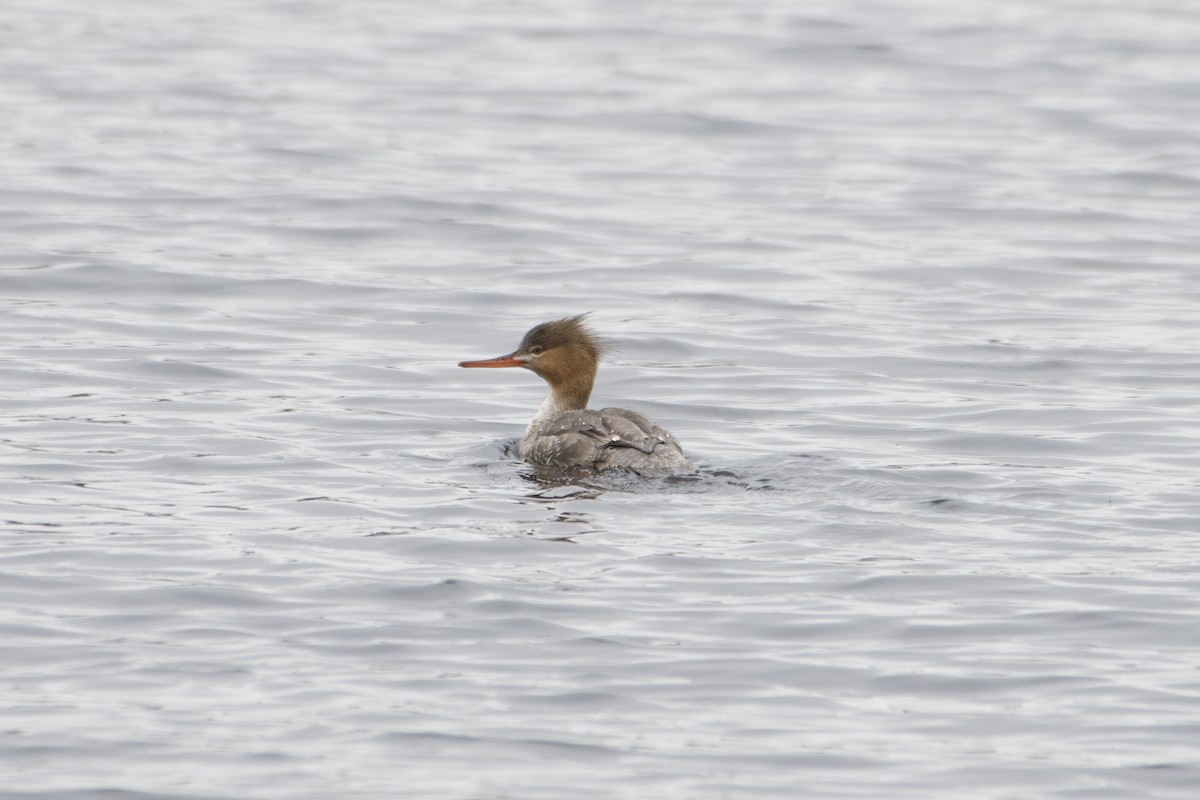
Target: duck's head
x=565, y=353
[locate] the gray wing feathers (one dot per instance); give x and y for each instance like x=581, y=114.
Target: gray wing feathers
x=612, y=438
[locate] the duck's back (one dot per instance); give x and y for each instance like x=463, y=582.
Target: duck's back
x=611, y=438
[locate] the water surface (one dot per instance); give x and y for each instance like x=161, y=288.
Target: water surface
x=914, y=284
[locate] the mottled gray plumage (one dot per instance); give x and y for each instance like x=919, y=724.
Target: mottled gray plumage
x=611, y=438
x=566, y=354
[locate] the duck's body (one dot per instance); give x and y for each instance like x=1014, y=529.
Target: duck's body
x=565, y=434
x=611, y=438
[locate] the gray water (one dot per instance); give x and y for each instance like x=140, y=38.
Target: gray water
x=914, y=283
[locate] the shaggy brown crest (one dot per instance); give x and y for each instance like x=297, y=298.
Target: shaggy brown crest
x=569, y=331
x=566, y=354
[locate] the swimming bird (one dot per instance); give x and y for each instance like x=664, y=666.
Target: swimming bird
x=565, y=433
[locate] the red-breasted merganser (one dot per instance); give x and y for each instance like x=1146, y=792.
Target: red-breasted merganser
x=566, y=354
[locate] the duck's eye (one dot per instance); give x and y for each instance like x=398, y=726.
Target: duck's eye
x=536, y=350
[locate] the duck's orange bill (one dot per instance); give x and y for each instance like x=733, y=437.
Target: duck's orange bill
x=494, y=363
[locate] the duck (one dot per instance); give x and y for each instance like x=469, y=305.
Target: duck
x=565, y=434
